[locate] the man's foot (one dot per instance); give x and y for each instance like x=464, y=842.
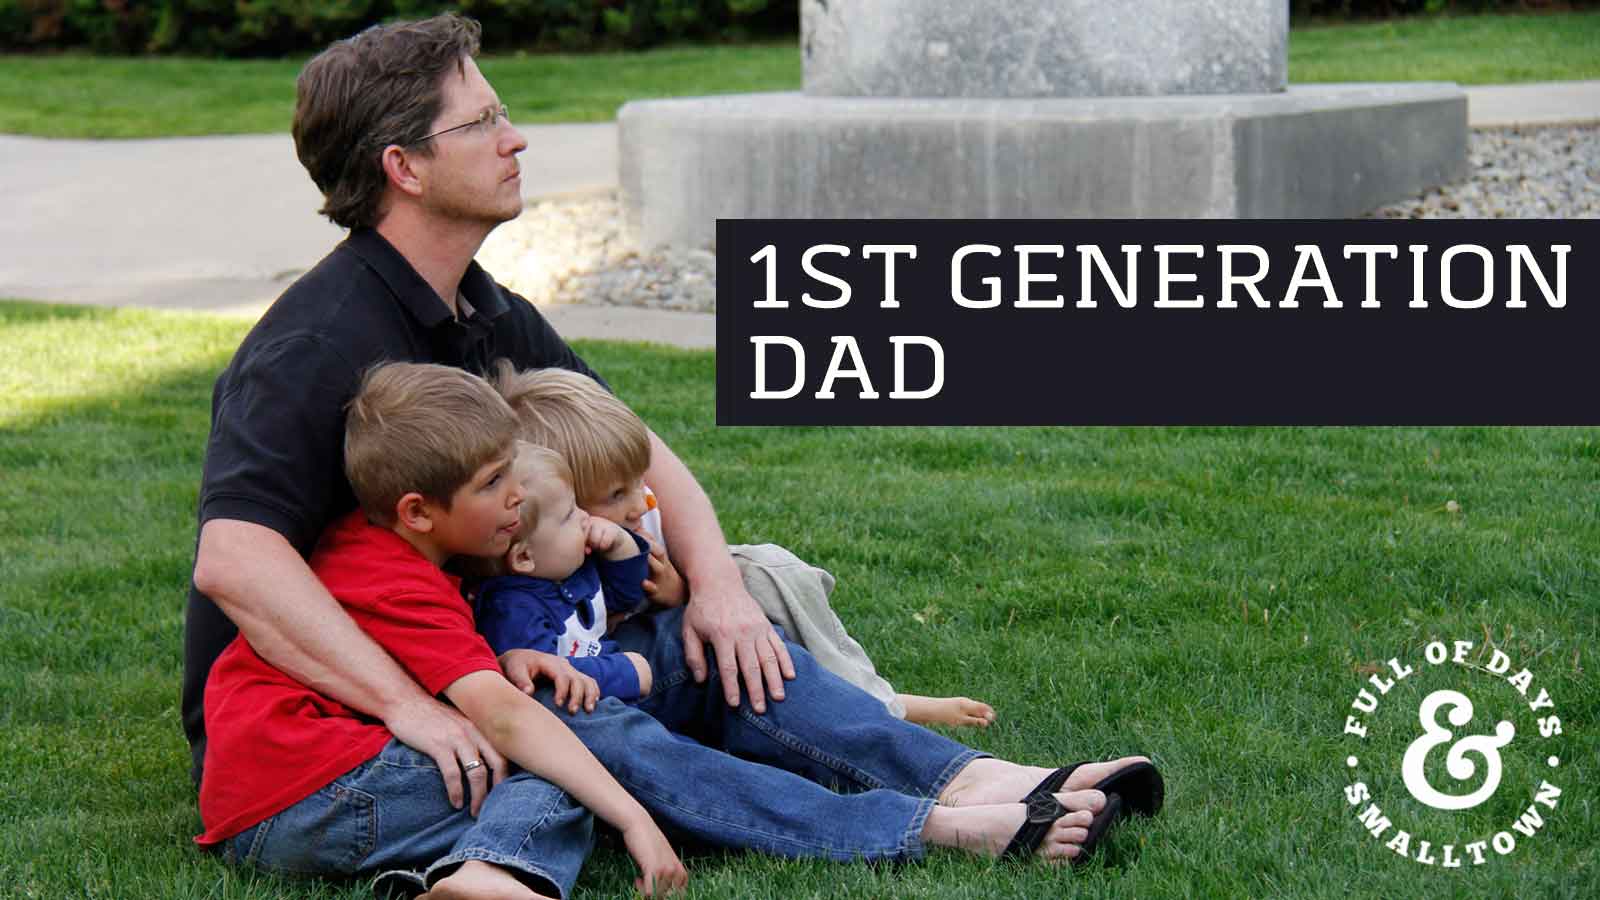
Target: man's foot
x=997, y=781
x=961, y=712
x=987, y=829
x=477, y=880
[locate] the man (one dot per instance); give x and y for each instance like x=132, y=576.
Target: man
x=415, y=154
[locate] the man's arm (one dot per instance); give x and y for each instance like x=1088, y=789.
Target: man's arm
x=720, y=610
x=258, y=580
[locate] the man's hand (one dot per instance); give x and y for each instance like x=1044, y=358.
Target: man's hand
x=660, y=870
x=439, y=731
x=573, y=688
x=745, y=642
x=665, y=586
x=720, y=609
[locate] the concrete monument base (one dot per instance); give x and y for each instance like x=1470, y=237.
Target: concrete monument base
x=1321, y=151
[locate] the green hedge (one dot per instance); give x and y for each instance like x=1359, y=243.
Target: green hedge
x=1302, y=10
x=277, y=27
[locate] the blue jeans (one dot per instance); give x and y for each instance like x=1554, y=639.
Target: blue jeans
x=827, y=772
x=391, y=812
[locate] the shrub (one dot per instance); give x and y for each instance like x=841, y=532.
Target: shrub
x=1302, y=10
x=277, y=27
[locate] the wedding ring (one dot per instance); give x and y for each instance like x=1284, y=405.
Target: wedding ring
x=468, y=767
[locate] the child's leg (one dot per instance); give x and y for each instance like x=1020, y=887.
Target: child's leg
x=392, y=812
x=794, y=595
x=722, y=799
x=957, y=711
x=825, y=729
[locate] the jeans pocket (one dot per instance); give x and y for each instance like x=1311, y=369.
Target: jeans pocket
x=328, y=833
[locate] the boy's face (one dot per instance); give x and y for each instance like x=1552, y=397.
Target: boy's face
x=558, y=543
x=621, y=501
x=484, y=513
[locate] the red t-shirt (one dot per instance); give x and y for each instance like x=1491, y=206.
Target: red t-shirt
x=271, y=741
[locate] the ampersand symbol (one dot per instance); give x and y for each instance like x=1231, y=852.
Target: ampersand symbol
x=1456, y=762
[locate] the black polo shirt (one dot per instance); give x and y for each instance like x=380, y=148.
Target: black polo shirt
x=275, y=456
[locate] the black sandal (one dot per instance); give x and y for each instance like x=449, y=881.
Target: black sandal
x=1140, y=785
x=1137, y=788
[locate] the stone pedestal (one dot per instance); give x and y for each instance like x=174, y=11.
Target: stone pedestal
x=1043, y=48
x=1036, y=109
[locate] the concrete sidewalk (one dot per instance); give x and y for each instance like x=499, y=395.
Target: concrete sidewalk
x=225, y=223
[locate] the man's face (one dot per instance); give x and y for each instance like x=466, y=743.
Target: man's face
x=473, y=174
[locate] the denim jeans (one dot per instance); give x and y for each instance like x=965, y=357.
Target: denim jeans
x=827, y=772
x=391, y=812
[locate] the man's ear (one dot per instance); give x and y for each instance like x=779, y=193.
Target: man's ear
x=520, y=558
x=397, y=167
x=415, y=513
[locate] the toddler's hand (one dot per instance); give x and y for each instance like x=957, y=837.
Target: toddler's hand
x=610, y=540
x=665, y=586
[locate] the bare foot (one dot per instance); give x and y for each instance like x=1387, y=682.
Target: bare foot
x=961, y=712
x=477, y=880
x=997, y=781
x=985, y=830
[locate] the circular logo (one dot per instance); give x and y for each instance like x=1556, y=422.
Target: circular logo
x=1453, y=754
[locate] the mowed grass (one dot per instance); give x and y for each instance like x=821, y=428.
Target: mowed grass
x=81, y=96
x=1212, y=597
x=1498, y=49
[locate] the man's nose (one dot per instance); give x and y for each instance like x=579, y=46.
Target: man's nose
x=519, y=141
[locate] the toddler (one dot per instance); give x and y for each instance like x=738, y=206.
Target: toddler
x=607, y=448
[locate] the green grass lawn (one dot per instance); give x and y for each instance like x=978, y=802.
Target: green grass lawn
x=1212, y=597
x=81, y=96
x=1501, y=49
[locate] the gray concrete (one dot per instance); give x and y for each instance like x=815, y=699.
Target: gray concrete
x=1541, y=103
x=223, y=223
x=1043, y=48
x=1314, y=152
x=1036, y=109
x=218, y=223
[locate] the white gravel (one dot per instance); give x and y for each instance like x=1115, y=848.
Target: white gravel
x=1519, y=173
x=572, y=250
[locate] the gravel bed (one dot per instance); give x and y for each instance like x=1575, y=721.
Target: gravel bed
x=572, y=250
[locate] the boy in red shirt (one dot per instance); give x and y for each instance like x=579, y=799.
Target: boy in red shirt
x=298, y=783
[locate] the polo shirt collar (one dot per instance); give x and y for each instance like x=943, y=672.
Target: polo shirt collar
x=415, y=294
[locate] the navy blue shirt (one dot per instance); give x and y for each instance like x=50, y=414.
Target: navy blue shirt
x=275, y=455
x=568, y=617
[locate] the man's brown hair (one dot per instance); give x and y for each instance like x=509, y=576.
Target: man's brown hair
x=601, y=439
x=384, y=86
x=421, y=427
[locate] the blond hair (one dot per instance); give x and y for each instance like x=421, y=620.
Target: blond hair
x=424, y=428
x=601, y=439
x=536, y=463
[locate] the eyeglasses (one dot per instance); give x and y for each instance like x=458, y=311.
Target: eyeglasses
x=485, y=123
